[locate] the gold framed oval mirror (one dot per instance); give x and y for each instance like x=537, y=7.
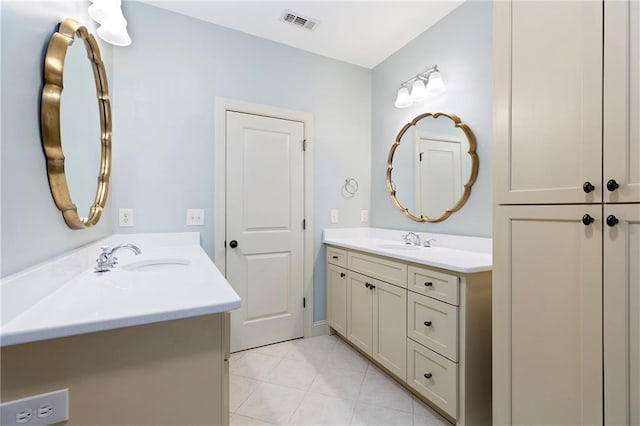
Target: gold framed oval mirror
x=56, y=76
x=427, y=169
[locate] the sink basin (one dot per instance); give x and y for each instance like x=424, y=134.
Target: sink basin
x=155, y=264
x=398, y=246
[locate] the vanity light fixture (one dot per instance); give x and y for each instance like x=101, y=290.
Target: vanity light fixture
x=425, y=85
x=113, y=26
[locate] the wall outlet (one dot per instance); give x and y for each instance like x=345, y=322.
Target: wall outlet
x=195, y=217
x=364, y=215
x=125, y=217
x=334, y=216
x=38, y=410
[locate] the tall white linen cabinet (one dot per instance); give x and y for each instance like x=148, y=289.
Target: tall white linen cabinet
x=566, y=277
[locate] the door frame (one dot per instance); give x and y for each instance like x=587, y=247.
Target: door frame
x=222, y=105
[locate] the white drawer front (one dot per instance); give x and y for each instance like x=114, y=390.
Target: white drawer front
x=433, y=376
x=337, y=256
x=373, y=266
x=434, y=284
x=434, y=324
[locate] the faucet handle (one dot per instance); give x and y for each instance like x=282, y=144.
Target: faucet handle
x=427, y=243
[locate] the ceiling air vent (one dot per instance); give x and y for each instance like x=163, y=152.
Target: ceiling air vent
x=299, y=20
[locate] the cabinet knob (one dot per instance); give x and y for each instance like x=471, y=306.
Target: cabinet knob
x=587, y=187
x=612, y=185
x=233, y=244
x=342, y=275
x=335, y=257
x=587, y=220
x=428, y=375
x=367, y=285
x=612, y=220
x=428, y=284
x=427, y=323
x=371, y=286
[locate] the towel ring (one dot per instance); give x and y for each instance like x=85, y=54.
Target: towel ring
x=350, y=187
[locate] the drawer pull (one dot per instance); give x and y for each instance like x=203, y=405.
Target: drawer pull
x=612, y=185
x=428, y=284
x=587, y=220
x=342, y=275
x=367, y=285
x=335, y=257
x=371, y=286
x=427, y=375
x=587, y=187
x=427, y=323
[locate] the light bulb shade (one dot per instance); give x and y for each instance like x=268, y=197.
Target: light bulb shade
x=114, y=31
x=102, y=10
x=403, y=99
x=435, y=86
x=418, y=91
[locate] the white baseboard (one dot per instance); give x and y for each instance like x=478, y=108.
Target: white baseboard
x=319, y=328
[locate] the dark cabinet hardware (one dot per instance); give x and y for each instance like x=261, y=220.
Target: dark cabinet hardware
x=587, y=187
x=427, y=323
x=587, y=220
x=342, y=275
x=612, y=220
x=335, y=257
x=427, y=375
x=428, y=284
x=612, y=185
x=233, y=244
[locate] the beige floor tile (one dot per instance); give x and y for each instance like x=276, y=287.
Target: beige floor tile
x=323, y=410
x=278, y=350
x=339, y=383
x=238, y=420
x=345, y=358
x=271, y=403
x=239, y=390
x=367, y=414
x=429, y=421
x=422, y=409
x=293, y=373
x=385, y=392
x=254, y=365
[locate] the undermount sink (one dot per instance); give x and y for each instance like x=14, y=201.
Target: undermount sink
x=155, y=264
x=398, y=246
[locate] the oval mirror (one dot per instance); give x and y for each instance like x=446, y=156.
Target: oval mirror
x=432, y=166
x=76, y=133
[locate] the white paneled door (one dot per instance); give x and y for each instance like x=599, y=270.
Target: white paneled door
x=264, y=234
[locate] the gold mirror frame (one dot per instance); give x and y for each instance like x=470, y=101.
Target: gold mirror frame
x=68, y=31
x=467, y=186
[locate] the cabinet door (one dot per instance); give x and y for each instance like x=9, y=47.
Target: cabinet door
x=360, y=311
x=337, y=298
x=390, y=327
x=547, y=315
x=622, y=316
x=547, y=101
x=622, y=100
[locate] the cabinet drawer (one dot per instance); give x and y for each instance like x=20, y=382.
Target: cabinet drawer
x=434, y=324
x=433, y=376
x=337, y=256
x=434, y=284
x=377, y=267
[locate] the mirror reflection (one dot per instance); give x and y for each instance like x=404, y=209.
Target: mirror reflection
x=80, y=127
x=432, y=165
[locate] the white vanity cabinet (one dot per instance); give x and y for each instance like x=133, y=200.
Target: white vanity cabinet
x=428, y=327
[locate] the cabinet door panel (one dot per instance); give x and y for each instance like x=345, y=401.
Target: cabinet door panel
x=547, y=101
x=390, y=327
x=547, y=315
x=359, y=311
x=622, y=99
x=337, y=298
x=622, y=316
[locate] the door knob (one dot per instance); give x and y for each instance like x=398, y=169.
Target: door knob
x=612, y=185
x=612, y=220
x=587, y=220
x=427, y=323
x=427, y=375
x=233, y=244
x=588, y=187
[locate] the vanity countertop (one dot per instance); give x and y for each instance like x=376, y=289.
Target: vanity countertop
x=64, y=297
x=456, y=253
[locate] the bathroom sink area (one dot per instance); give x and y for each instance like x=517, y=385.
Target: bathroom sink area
x=156, y=264
x=398, y=246
x=171, y=278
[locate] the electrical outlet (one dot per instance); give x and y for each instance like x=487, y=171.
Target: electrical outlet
x=364, y=215
x=334, y=216
x=38, y=410
x=195, y=217
x=126, y=217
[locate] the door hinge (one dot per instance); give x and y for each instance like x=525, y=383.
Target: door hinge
x=421, y=156
x=304, y=302
x=304, y=144
x=304, y=223
x=225, y=243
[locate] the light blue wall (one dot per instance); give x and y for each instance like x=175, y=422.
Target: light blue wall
x=31, y=226
x=165, y=85
x=460, y=44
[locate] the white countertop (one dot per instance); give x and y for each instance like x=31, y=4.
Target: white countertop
x=453, y=252
x=64, y=297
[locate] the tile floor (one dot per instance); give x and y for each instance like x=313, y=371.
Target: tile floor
x=318, y=381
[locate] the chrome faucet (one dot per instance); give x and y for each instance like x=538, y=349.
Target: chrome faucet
x=411, y=238
x=428, y=242
x=106, y=260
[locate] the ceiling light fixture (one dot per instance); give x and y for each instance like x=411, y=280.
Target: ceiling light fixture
x=425, y=85
x=113, y=26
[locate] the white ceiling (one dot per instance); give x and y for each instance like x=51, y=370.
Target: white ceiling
x=363, y=33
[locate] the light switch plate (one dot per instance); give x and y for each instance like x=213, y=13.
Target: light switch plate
x=125, y=217
x=195, y=217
